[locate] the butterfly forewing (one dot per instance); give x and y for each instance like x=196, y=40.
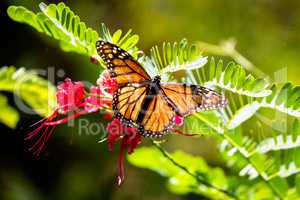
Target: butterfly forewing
x=128, y=102
x=120, y=64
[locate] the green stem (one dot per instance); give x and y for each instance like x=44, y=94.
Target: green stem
x=199, y=180
x=227, y=49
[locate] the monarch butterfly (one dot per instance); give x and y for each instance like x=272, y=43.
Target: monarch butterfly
x=148, y=104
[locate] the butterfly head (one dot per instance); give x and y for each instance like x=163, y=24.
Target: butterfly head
x=156, y=79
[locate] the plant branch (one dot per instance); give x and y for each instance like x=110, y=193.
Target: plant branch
x=227, y=48
x=199, y=180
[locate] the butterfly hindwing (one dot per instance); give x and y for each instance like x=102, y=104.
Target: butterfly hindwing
x=121, y=65
x=158, y=118
x=153, y=119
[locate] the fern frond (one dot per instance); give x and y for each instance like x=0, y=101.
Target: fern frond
x=59, y=22
x=244, y=92
x=173, y=57
x=255, y=166
x=281, y=141
x=233, y=78
x=273, y=168
x=285, y=99
x=287, y=162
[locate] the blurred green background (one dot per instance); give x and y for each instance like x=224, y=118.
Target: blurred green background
x=74, y=166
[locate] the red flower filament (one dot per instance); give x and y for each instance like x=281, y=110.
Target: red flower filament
x=130, y=139
x=73, y=102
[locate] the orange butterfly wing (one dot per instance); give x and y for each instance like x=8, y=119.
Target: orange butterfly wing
x=121, y=65
x=158, y=118
x=128, y=102
x=151, y=121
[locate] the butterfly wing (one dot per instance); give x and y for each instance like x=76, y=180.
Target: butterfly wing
x=128, y=101
x=158, y=117
x=187, y=99
x=135, y=106
x=121, y=65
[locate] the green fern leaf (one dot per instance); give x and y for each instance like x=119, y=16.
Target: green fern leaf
x=281, y=141
x=242, y=114
x=175, y=56
x=272, y=168
x=232, y=78
x=285, y=99
x=59, y=22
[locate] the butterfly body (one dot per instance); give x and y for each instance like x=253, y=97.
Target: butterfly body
x=152, y=91
x=149, y=104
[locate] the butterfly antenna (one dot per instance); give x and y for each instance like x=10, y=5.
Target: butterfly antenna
x=183, y=133
x=102, y=140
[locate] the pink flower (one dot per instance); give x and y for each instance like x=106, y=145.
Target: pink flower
x=73, y=100
x=97, y=100
x=114, y=129
x=130, y=139
x=105, y=81
x=178, y=120
x=69, y=96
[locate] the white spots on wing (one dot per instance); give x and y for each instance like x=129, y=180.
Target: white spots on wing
x=124, y=54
